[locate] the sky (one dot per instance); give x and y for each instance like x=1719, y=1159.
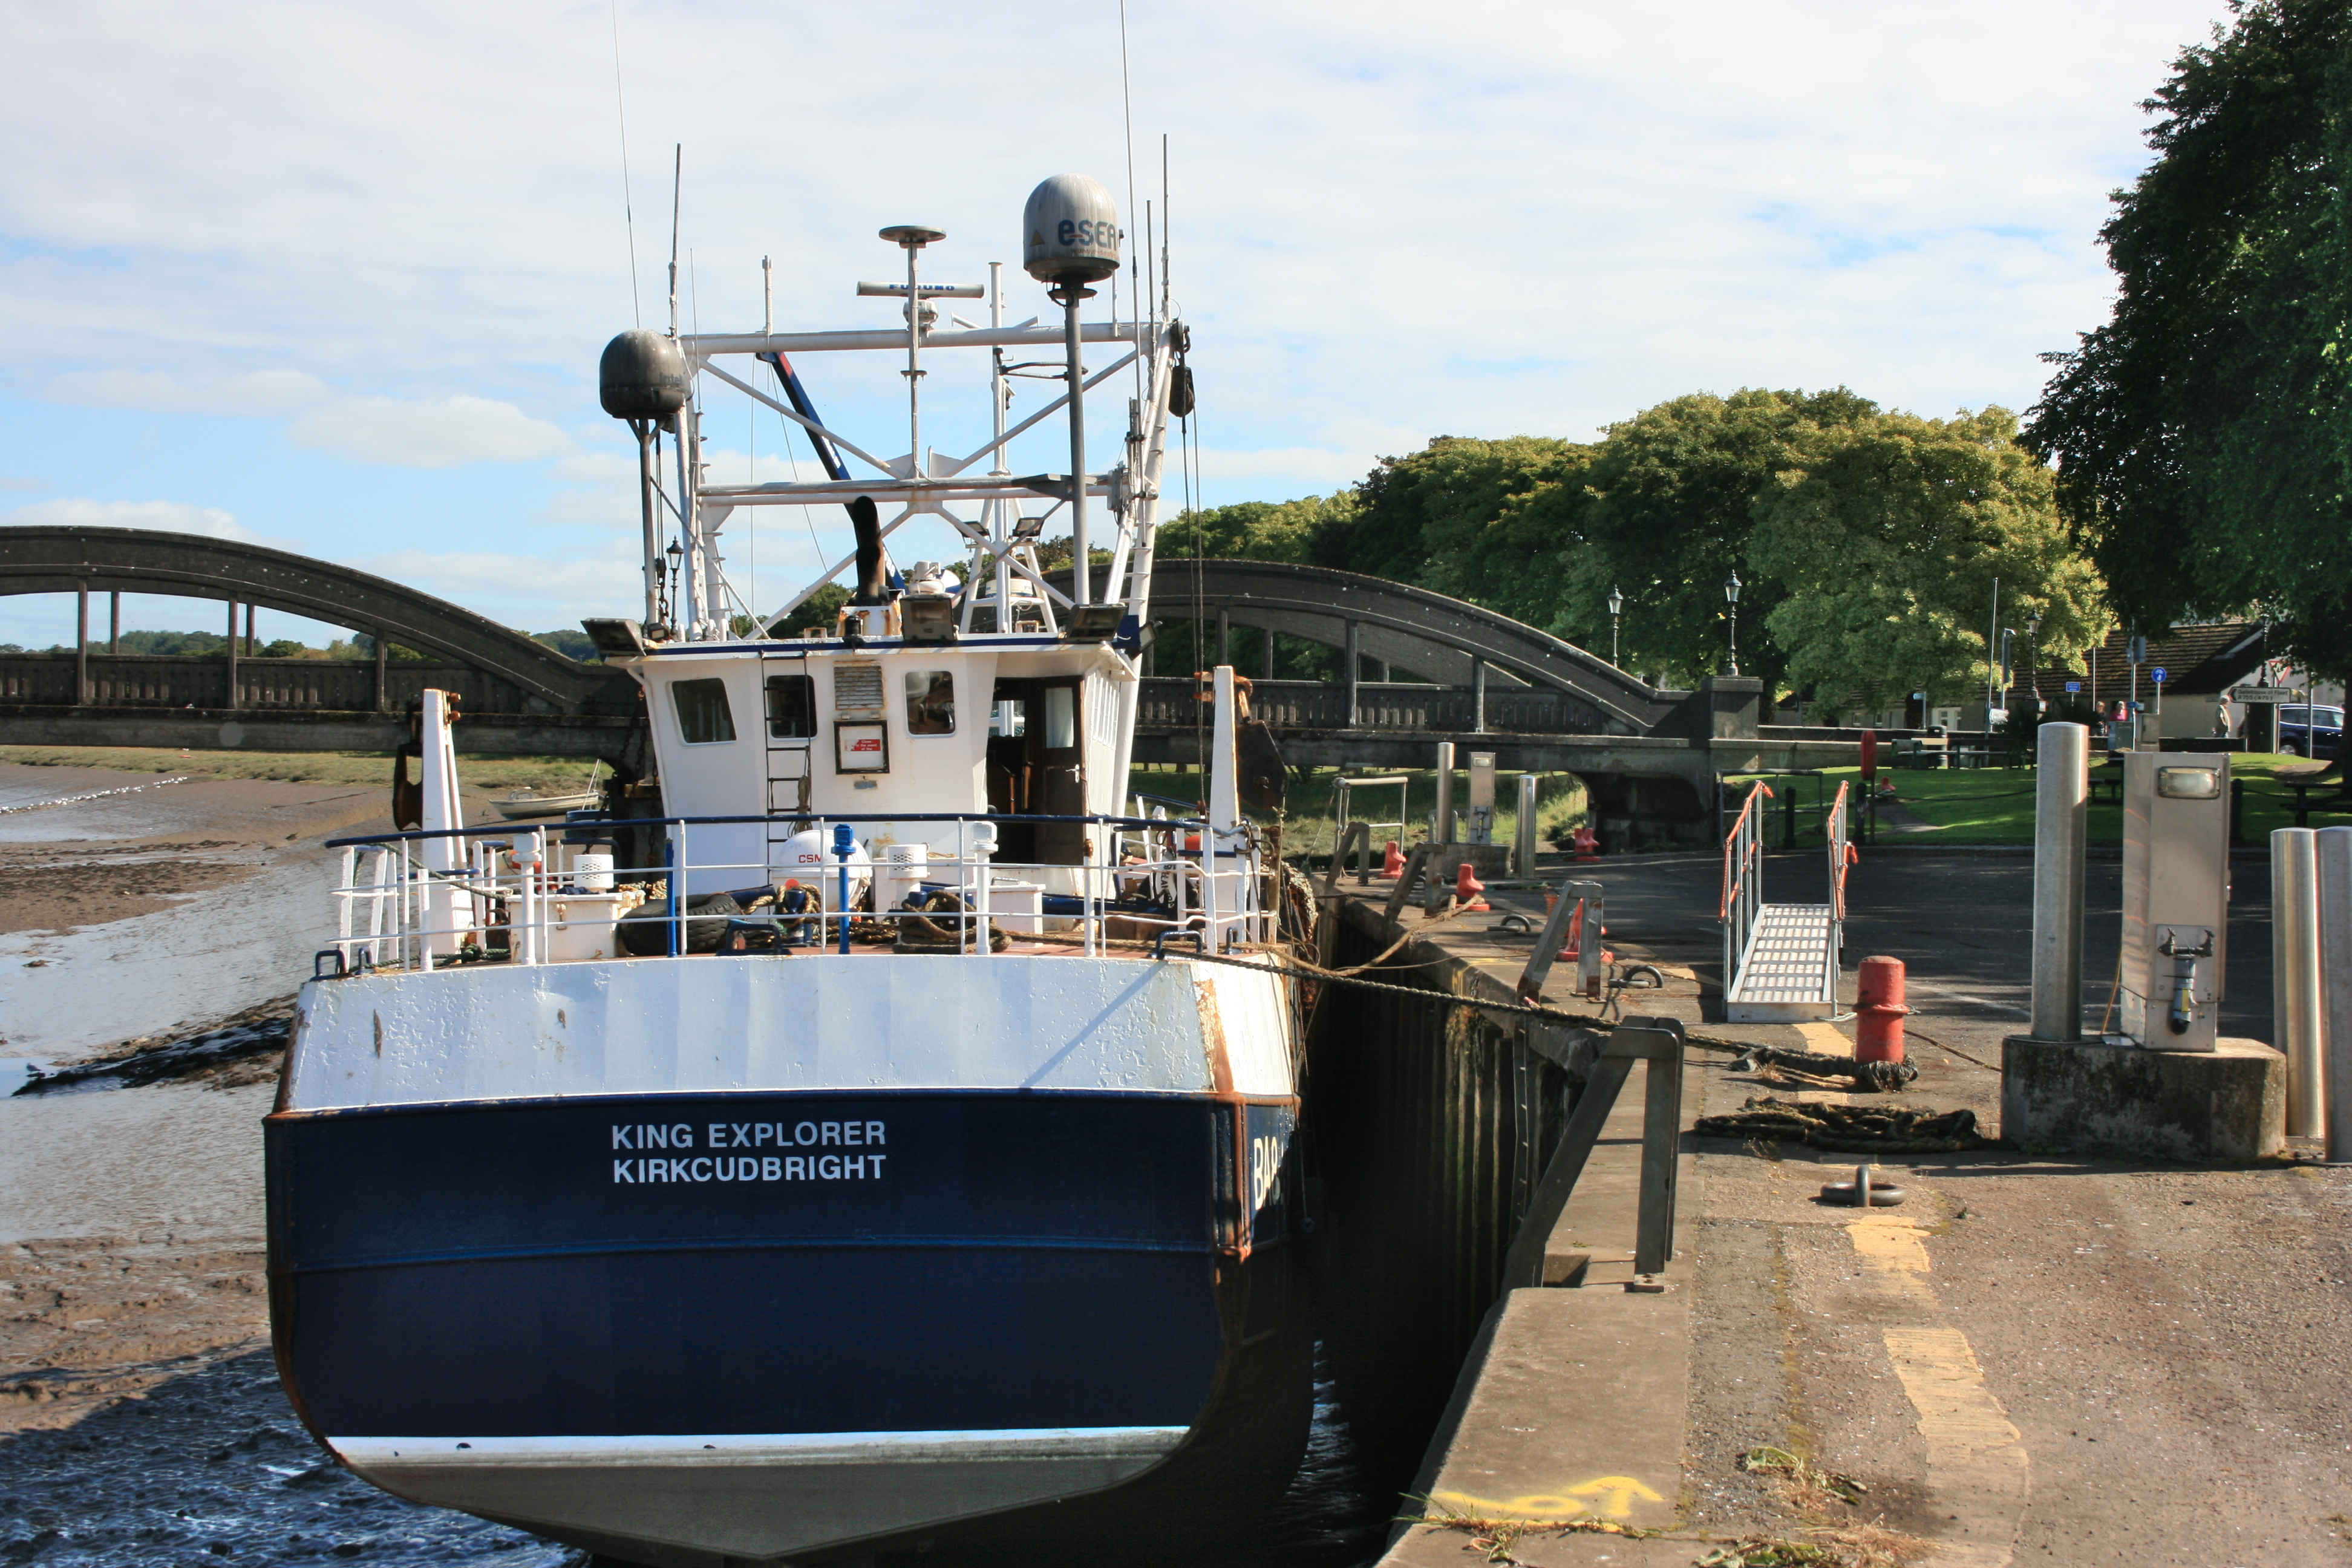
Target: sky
x=335, y=278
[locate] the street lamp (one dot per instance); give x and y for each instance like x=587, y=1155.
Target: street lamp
x=1616, y=608
x=1731, y=617
x=2033, y=647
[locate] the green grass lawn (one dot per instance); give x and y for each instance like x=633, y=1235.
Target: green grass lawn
x=1995, y=805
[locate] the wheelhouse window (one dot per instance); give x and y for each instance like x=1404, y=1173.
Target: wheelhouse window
x=703, y=717
x=792, y=707
x=931, y=702
x=1061, y=718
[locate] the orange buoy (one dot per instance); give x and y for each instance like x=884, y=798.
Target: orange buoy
x=1879, y=1011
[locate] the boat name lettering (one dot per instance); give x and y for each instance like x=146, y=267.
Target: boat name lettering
x=647, y=1170
x=749, y=1134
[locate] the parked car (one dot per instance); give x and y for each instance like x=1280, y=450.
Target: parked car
x=2315, y=731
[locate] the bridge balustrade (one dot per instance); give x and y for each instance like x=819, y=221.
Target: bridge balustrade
x=1170, y=702
x=201, y=680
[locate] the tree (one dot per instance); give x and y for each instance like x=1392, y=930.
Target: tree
x=2203, y=436
x=1256, y=530
x=1675, y=489
x=1884, y=543
x=1476, y=519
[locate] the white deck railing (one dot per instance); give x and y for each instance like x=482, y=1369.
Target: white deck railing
x=532, y=895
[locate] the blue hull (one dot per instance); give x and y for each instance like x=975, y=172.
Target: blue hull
x=752, y=1266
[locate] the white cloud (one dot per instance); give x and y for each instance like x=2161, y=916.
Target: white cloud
x=259, y=392
x=1482, y=219
x=430, y=432
x=20, y=483
x=172, y=515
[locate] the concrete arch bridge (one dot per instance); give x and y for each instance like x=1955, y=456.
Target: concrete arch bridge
x=1489, y=683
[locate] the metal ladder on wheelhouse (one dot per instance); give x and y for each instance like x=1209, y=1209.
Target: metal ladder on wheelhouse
x=1779, y=961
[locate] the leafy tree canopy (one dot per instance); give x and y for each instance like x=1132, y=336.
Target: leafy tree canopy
x=2203, y=437
x=1883, y=547
x=1867, y=542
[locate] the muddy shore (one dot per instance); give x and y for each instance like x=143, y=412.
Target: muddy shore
x=142, y=1421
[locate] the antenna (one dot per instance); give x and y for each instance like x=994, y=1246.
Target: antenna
x=628, y=207
x=768, y=296
x=676, y=182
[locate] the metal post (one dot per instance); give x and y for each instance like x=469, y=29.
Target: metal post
x=1441, y=830
x=1269, y=653
x=2295, y=977
x=2333, y=852
x=1523, y=845
x=2060, y=825
x=650, y=516
x=381, y=695
x=844, y=840
x=81, y=642
x=1355, y=662
x=1225, y=637
x=232, y=655
x=1477, y=695
x=1081, y=564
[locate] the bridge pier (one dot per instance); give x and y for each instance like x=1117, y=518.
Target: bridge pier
x=81, y=642
x=1355, y=660
x=231, y=704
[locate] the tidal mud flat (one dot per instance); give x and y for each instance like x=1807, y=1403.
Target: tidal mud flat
x=141, y=1420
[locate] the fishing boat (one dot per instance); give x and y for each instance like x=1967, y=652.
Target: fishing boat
x=873, y=1134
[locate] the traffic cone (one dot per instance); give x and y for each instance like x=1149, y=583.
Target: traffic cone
x=1467, y=886
x=1393, y=863
x=1878, y=1003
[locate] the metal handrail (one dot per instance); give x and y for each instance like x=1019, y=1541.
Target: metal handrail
x=392, y=910
x=1842, y=855
x=1743, y=881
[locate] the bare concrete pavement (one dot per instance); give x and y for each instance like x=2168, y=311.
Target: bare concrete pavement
x=2029, y=1361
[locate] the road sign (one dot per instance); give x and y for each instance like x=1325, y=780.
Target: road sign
x=2156, y=675
x=2136, y=652
x=2262, y=694
x=2073, y=688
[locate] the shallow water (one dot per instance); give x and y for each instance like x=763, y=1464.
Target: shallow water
x=213, y=1466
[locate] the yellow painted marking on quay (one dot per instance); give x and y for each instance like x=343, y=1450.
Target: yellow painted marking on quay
x=1824, y=1039
x=1608, y=1496
x=1977, y=1464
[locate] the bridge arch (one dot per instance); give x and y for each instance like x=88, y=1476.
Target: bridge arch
x=1442, y=638
x=64, y=559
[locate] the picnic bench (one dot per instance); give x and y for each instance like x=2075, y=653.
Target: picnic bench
x=2341, y=799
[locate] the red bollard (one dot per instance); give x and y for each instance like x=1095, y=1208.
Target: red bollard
x=1584, y=844
x=1467, y=886
x=1393, y=863
x=1878, y=1031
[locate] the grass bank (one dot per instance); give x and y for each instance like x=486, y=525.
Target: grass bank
x=492, y=773
x=1995, y=805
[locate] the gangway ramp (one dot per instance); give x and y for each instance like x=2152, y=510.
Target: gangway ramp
x=1779, y=961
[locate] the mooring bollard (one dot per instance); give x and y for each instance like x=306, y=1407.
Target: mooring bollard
x=2294, y=978
x=1879, y=1010
x=2060, y=829
x=2332, y=849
